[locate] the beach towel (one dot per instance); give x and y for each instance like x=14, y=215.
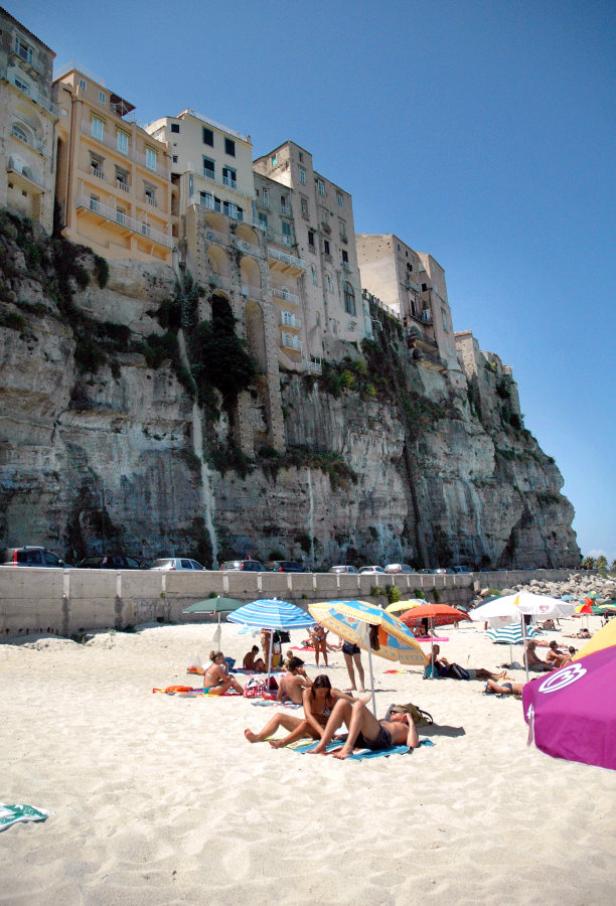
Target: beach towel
x=300, y=648
x=362, y=754
x=271, y=703
x=12, y=814
x=192, y=692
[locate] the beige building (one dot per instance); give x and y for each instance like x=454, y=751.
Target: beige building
x=113, y=179
x=320, y=218
x=412, y=285
x=27, y=119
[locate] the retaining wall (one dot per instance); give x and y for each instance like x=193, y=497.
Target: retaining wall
x=72, y=601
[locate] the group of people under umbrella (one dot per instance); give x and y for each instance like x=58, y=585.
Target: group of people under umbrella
x=557, y=707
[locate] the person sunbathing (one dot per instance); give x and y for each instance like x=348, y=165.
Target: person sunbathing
x=503, y=688
x=365, y=731
x=319, y=701
x=533, y=661
x=216, y=678
x=252, y=662
x=582, y=634
x=443, y=669
x=293, y=682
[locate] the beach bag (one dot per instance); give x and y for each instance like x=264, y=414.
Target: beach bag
x=259, y=688
x=417, y=714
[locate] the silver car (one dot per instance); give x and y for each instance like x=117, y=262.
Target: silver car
x=176, y=563
x=342, y=570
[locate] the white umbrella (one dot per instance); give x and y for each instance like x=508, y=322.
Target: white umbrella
x=516, y=607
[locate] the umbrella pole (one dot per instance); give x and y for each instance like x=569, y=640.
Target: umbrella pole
x=269, y=659
x=431, y=650
x=525, y=649
x=372, y=681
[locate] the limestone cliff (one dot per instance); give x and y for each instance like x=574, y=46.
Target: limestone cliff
x=110, y=436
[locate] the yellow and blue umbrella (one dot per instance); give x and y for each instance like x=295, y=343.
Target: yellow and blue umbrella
x=402, y=606
x=351, y=620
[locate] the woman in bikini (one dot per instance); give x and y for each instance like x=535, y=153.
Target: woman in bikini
x=319, y=701
x=319, y=641
x=216, y=678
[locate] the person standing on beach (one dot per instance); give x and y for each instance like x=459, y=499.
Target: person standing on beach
x=319, y=640
x=352, y=659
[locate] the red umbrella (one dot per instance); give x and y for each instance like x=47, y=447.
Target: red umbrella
x=436, y=614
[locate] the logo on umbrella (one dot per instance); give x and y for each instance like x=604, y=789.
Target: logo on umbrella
x=562, y=678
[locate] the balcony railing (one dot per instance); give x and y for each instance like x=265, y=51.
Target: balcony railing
x=286, y=295
x=229, y=181
x=247, y=247
x=124, y=186
x=290, y=321
x=162, y=167
x=151, y=201
x=312, y=367
x=115, y=216
x=280, y=238
x=98, y=172
x=213, y=205
x=289, y=260
x=426, y=316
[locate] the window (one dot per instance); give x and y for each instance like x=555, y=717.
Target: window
x=97, y=128
x=289, y=318
x=230, y=147
x=444, y=320
x=283, y=203
x=265, y=198
x=19, y=132
x=343, y=230
x=424, y=287
x=96, y=165
x=345, y=256
x=145, y=229
x=209, y=168
x=83, y=85
x=122, y=141
x=409, y=267
x=301, y=157
x=229, y=177
x=340, y=199
x=174, y=158
x=23, y=50
x=207, y=200
x=311, y=240
x=349, y=299
x=328, y=283
x=121, y=178
x=262, y=219
x=313, y=274
x=175, y=127
x=151, y=158
x=94, y=202
x=321, y=188
x=102, y=97
x=287, y=233
x=302, y=175
x=208, y=137
x=23, y=86
x=149, y=193
x=326, y=246
x=290, y=340
x=274, y=160
x=304, y=204
x=121, y=215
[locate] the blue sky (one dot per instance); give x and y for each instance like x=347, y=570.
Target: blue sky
x=480, y=131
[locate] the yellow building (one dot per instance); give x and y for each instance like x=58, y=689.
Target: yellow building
x=27, y=118
x=113, y=181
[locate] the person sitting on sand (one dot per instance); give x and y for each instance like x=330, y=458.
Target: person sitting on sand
x=216, y=678
x=252, y=662
x=319, y=701
x=557, y=655
x=503, y=688
x=443, y=669
x=548, y=625
x=365, y=731
x=533, y=661
x=293, y=682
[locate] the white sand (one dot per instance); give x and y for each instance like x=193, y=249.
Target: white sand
x=160, y=800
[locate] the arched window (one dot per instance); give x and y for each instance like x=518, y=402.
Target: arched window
x=349, y=299
x=18, y=131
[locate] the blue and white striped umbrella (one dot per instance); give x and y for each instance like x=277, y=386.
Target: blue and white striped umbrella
x=510, y=634
x=270, y=613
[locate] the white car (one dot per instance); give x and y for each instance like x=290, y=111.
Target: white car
x=371, y=571
x=178, y=563
x=343, y=570
x=395, y=568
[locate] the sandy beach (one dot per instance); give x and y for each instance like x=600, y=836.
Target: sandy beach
x=160, y=800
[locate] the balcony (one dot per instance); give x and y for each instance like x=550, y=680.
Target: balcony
x=149, y=199
x=36, y=97
x=289, y=261
x=213, y=205
x=129, y=152
x=230, y=182
x=25, y=176
x=287, y=320
x=124, y=220
x=312, y=366
x=97, y=172
x=280, y=238
x=124, y=186
x=286, y=295
x=426, y=316
x=247, y=247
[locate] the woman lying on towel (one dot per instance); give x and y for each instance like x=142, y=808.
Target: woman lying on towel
x=365, y=731
x=319, y=701
x=216, y=680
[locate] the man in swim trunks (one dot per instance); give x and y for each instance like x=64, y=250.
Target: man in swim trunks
x=449, y=670
x=293, y=682
x=365, y=731
x=352, y=659
x=534, y=662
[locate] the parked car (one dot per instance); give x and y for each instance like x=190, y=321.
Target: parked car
x=252, y=566
x=339, y=570
x=109, y=561
x=394, y=568
x=371, y=571
x=31, y=556
x=287, y=566
x=460, y=569
x=176, y=563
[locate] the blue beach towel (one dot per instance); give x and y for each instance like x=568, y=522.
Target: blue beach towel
x=363, y=754
x=12, y=814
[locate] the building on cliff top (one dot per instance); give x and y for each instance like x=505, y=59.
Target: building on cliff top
x=113, y=188
x=412, y=285
x=27, y=121
x=314, y=217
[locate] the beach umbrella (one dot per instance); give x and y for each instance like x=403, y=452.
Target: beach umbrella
x=586, y=607
x=218, y=605
x=352, y=621
x=571, y=713
x=605, y=638
x=519, y=605
x=509, y=634
x=272, y=614
x=401, y=606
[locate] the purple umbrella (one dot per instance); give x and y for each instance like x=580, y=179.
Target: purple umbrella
x=571, y=712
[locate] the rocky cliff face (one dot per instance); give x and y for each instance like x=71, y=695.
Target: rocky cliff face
x=106, y=441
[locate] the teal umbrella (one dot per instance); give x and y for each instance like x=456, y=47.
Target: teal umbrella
x=218, y=605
